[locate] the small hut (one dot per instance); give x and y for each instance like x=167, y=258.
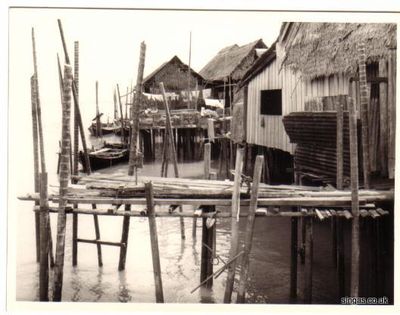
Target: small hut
x=226, y=69
x=174, y=75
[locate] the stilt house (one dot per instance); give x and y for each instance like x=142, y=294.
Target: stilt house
x=292, y=91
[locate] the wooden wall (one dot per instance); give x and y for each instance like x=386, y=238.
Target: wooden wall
x=268, y=130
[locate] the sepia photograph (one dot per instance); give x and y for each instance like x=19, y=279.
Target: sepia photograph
x=200, y=156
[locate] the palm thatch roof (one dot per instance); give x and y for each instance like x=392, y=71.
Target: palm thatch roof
x=231, y=62
x=323, y=49
x=174, y=60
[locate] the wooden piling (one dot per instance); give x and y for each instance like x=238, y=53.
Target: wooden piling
x=293, y=256
x=75, y=237
x=355, y=241
x=392, y=112
x=244, y=271
x=35, y=164
x=76, y=102
x=121, y=114
x=97, y=233
x=133, y=154
x=234, y=225
x=340, y=257
x=99, y=130
x=207, y=249
x=124, y=240
x=44, y=237
x=154, y=243
x=383, y=119
x=309, y=256
x=364, y=113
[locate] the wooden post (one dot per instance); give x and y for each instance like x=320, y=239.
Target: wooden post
x=293, y=257
x=244, y=271
x=355, y=241
x=44, y=237
x=64, y=177
x=308, y=269
x=97, y=233
x=383, y=118
x=76, y=102
x=75, y=237
x=340, y=256
x=124, y=239
x=171, y=143
x=392, y=112
x=364, y=113
x=234, y=225
x=207, y=250
x=339, y=143
x=35, y=163
x=154, y=243
x=133, y=156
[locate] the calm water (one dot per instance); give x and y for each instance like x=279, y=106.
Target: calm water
x=180, y=260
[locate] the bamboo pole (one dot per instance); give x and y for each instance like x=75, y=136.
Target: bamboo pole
x=234, y=225
x=309, y=255
x=355, y=240
x=76, y=102
x=392, y=112
x=76, y=118
x=171, y=143
x=133, y=156
x=364, y=113
x=154, y=243
x=35, y=163
x=244, y=271
x=44, y=237
x=383, y=118
x=64, y=174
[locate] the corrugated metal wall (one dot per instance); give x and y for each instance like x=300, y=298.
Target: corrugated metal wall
x=267, y=130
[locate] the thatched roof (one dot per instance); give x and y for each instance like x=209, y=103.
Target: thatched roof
x=176, y=61
x=263, y=61
x=322, y=49
x=228, y=61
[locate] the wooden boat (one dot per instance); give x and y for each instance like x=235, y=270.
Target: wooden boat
x=110, y=154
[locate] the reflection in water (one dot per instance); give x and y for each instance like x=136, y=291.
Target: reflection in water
x=97, y=289
x=76, y=284
x=123, y=293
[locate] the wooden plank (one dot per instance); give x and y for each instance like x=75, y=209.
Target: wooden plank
x=244, y=271
x=154, y=244
x=364, y=113
x=355, y=241
x=64, y=177
x=234, y=225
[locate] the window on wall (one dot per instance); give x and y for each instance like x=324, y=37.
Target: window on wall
x=271, y=102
